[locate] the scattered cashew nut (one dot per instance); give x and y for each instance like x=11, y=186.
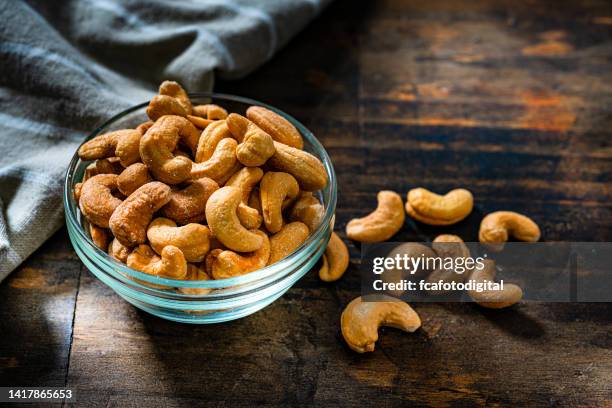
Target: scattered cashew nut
x=493, y=299
x=335, y=259
x=360, y=321
x=434, y=209
x=383, y=223
x=449, y=246
x=495, y=228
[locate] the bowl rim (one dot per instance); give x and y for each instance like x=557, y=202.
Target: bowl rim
x=70, y=205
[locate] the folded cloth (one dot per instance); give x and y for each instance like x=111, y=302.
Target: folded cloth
x=69, y=66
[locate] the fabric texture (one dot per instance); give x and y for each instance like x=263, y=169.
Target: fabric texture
x=68, y=66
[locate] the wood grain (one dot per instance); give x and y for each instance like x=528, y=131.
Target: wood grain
x=511, y=99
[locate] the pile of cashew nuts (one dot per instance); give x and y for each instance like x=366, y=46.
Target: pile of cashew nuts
x=197, y=193
x=360, y=320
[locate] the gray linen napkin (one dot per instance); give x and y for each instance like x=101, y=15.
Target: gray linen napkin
x=68, y=66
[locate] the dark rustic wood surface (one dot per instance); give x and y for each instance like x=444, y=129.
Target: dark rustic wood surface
x=511, y=99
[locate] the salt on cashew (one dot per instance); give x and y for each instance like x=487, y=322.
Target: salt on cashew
x=307, y=209
x=383, y=223
x=97, y=202
x=210, y=111
x=130, y=219
x=189, y=204
x=434, y=209
x=335, y=259
x=195, y=273
x=228, y=264
x=493, y=299
x=171, y=264
x=132, y=178
x=192, y=239
x=210, y=138
x=160, y=141
x=222, y=162
x=225, y=225
x=118, y=251
x=360, y=321
x=277, y=190
x=256, y=146
x=99, y=236
x=497, y=227
x=287, y=240
x=276, y=126
x=120, y=143
x=447, y=246
x=307, y=169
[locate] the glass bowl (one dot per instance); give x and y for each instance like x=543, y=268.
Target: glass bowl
x=227, y=299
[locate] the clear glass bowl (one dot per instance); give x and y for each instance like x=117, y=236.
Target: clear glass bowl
x=228, y=299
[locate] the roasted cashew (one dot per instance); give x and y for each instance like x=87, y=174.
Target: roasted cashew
x=335, y=259
x=132, y=178
x=449, y=246
x=249, y=217
x=189, y=204
x=210, y=138
x=276, y=126
x=171, y=264
x=110, y=165
x=225, y=225
x=382, y=224
x=77, y=191
x=158, y=144
x=245, y=179
x=228, y=264
x=434, y=209
x=175, y=90
x=130, y=219
x=199, y=122
x=195, y=273
x=192, y=239
x=495, y=228
x=307, y=169
x=287, y=240
x=277, y=190
x=210, y=111
x=172, y=100
x=222, y=162
x=120, y=143
x=407, y=250
x=144, y=126
x=118, y=251
x=97, y=202
x=360, y=321
x=256, y=146
x=99, y=236
x=493, y=299
x=308, y=210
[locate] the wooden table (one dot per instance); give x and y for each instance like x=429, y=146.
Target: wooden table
x=511, y=99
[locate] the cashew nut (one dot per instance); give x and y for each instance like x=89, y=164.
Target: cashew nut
x=308, y=210
x=195, y=273
x=99, y=236
x=383, y=223
x=110, y=165
x=449, y=246
x=172, y=100
x=210, y=111
x=189, y=204
x=97, y=202
x=160, y=141
x=496, y=227
x=228, y=264
x=360, y=321
x=118, y=251
x=77, y=191
x=493, y=299
x=307, y=169
x=132, y=178
x=245, y=179
x=249, y=217
x=120, y=143
x=276, y=126
x=222, y=162
x=434, y=209
x=130, y=219
x=256, y=146
x=277, y=190
x=335, y=259
x=144, y=126
x=192, y=239
x=287, y=240
x=199, y=122
x=407, y=250
x=171, y=264
x=225, y=225
x=210, y=138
